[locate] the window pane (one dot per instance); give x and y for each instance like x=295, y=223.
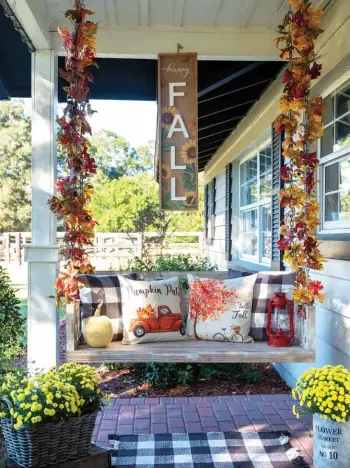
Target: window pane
x=249, y=170
x=265, y=186
x=265, y=160
x=265, y=172
x=327, y=141
x=332, y=178
x=328, y=115
x=249, y=233
x=342, y=134
x=249, y=187
x=266, y=221
x=343, y=101
x=344, y=214
x=345, y=190
x=332, y=207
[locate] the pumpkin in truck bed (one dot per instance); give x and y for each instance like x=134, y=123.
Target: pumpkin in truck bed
x=160, y=321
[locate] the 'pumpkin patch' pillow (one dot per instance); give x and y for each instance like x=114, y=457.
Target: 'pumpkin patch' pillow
x=151, y=311
x=220, y=310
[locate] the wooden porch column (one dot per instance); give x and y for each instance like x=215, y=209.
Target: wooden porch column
x=42, y=254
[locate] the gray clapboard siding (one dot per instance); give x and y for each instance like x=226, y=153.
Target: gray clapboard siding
x=220, y=192
x=220, y=219
x=334, y=328
x=216, y=250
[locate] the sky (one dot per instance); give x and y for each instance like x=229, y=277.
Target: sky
x=134, y=120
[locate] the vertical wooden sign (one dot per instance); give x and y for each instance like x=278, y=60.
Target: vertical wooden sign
x=178, y=140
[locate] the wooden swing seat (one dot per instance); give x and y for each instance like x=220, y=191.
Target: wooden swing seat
x=189, y=351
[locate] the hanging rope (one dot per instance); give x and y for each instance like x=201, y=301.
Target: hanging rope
x=301, y=120
x=74, y=191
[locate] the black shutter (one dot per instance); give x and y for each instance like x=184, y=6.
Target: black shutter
x=212, y=209
x=205, y=211
x=277, y=211
x=228, y=212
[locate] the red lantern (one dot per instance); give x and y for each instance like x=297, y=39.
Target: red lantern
x=280, y=323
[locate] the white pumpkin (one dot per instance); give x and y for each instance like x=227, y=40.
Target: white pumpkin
x=98, y=329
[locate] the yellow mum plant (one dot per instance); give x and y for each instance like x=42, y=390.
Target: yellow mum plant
x=85, y=380
x=53, y=396
x=325, y=391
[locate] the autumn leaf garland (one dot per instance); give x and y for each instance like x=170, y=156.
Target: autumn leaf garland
x=74, y=191
x=301, y=119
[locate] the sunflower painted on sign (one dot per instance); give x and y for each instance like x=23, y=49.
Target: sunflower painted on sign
x=190, y=199
x=167, y=117
x=166, y=172
x=189, y=152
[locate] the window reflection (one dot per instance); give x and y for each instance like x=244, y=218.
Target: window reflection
x=250, y=233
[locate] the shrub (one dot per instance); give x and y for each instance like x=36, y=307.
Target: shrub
x=166, y=375
x=182, y=262
x=11, y=321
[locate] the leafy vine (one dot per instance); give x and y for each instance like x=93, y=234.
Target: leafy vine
x=74, y=191
x=301, y=119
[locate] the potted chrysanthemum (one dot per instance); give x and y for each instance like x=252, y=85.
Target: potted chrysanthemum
x=325, y=392
x=50, y=418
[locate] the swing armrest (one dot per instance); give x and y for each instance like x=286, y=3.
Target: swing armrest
x=72, y=325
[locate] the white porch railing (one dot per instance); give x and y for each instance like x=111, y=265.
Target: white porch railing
x=110, y=248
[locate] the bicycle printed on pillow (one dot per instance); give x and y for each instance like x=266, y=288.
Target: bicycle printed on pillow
x=236, y=336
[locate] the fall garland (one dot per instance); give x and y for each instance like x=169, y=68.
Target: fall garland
x=74, y=191
x=301, y=120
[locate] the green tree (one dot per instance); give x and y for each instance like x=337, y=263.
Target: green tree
x=191, y=220
x=116, y=157
x=15, y=164
x=122, y=205
x=118, y=204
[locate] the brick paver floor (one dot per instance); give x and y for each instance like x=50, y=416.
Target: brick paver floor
x=205, y=414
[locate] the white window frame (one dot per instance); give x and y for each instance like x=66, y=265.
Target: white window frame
x=258, y=205
x=331, y=227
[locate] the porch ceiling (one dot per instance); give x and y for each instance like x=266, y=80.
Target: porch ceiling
x=113, y=14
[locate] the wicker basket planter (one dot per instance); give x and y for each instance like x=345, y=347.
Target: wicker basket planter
x=49, y=443
x=3, y=452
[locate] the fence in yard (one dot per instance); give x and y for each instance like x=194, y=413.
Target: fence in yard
x=111, y=249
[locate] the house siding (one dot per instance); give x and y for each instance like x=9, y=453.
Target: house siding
x=215, y=251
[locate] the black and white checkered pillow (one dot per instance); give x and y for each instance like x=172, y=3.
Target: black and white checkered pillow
x=266, y=284
x=107, y=289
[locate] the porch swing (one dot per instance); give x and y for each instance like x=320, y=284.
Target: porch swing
x=191, y=351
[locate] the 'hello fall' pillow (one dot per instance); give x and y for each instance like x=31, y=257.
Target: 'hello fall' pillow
x=151, y=311
x=220, y=310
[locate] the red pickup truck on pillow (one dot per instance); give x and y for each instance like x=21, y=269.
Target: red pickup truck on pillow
x=149, y=321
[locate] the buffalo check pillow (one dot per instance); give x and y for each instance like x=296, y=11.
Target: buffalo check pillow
x=266, y=284
x=106, y=288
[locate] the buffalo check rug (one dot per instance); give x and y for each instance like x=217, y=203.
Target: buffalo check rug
x=206, y=450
